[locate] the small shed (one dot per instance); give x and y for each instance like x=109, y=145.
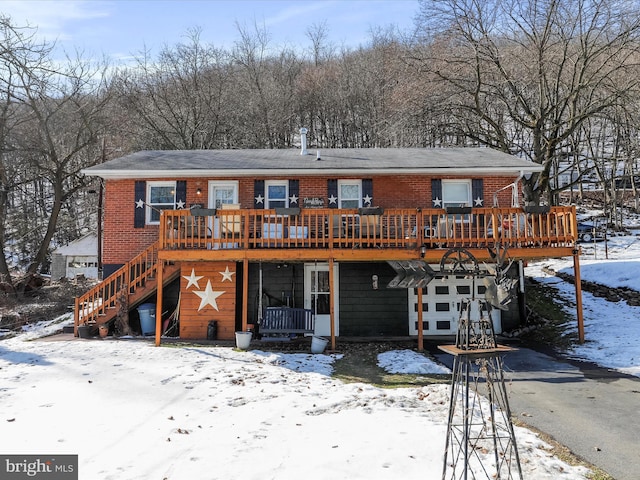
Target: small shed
x=79, y=257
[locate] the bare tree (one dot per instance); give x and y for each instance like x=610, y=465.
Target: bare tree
x=527, y=74
x=56, y=113
x=179, y=100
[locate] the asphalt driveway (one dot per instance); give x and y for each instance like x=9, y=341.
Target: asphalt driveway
x=593, y=411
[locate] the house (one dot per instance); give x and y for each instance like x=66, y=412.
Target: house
x=79, y=257
x=238, y=235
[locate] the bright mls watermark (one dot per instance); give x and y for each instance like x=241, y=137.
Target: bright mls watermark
x=48, y=467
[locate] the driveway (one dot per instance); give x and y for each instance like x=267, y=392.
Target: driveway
x=593, y=411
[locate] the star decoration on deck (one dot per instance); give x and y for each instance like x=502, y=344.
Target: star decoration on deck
x=367, y=199
x=180, y=204
x=208, y=297
x=437, y=202
x=259, y=199
x=140, y=203
x=478, y=202
x=293, y=199
x=333, y=199
x=192, y=279
x=226, y=275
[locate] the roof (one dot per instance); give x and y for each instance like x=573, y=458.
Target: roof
x=82, y=247
x=343, y=161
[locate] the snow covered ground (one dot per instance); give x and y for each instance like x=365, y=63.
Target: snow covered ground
x=134, y=411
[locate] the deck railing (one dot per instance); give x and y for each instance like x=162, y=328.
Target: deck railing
x=349, y=228
x=93, y=304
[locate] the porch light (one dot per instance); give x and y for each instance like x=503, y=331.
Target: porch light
x=198, y=191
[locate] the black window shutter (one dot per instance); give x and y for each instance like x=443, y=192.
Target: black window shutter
x=477, y=197
x=332, y=193
x=258, y=193
x=477, y=193
x=294, y=193
x=436, y=193
x=367, y=192
x=140, y=206
x=181, y=194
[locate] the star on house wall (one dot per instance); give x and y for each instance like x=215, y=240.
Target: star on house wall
x=259, y=199
x=226, y=275
x=180, y=204
x=367, y=200
x=293, y=199
x=208, y=297
x=140, y=203
x=333, y=199
x=437, y=202
x=478, y=202
x=192, y=279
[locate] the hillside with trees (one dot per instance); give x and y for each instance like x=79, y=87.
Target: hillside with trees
x=555, y=82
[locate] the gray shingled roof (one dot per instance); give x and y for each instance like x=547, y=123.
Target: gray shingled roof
x=172, y=163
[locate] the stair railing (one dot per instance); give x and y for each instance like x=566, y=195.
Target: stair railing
x=134, y=274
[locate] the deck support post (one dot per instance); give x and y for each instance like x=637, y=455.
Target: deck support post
x=578, y=286
x=160, y=280
x=332, y=313
x=245, y=294
x=420, y=321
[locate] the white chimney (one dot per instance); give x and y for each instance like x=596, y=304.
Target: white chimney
x=303, y=141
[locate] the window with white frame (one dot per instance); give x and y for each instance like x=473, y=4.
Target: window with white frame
x=349, y=193
x=160, y=196
x=276, y=193
x=456, y=193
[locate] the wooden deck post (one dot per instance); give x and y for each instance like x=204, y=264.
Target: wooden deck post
x=420, y=321
x=332, y=313
x=245, y=294
x=160, y=280
x=578, y=286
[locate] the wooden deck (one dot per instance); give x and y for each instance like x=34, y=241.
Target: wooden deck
x=331, y=235
x=364, y=234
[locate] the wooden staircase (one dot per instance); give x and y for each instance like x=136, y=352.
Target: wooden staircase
x=130, y=285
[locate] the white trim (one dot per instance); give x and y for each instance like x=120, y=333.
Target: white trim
x=150, y=205
x=221, y=184
x=276, y=183
x=323, y=327
x=349, y=181
x=294, y=172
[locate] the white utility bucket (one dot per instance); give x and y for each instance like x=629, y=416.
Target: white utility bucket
x=243, y=340
x=318, y=344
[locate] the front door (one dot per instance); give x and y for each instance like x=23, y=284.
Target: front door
x=221, y=193
x=316, y=296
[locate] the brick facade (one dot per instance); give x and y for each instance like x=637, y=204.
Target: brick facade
x=122, y=241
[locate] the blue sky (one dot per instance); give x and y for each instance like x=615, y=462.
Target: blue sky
x=120, y=28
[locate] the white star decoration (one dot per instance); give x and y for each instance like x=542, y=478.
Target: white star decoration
x=293, y=199
x=259, y=199
x=478, y=202
x=140, y=203
x=226, y=275
x=180, y=204
x=333, y=199
x=192, y=279
x=208, y=297
x=367, y=199
x=437, y=202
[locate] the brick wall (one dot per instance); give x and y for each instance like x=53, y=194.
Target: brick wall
x=122, y=241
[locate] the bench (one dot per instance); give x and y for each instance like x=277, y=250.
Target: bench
x=287, y=320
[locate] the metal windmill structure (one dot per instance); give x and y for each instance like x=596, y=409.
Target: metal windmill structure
x=481, y=441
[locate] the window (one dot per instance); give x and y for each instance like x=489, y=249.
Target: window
x=456, y=193
x=276, y=194
x=160, y=196
x=221, y=193
x=349, y=194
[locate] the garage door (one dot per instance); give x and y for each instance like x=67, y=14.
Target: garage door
x=441, y=305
